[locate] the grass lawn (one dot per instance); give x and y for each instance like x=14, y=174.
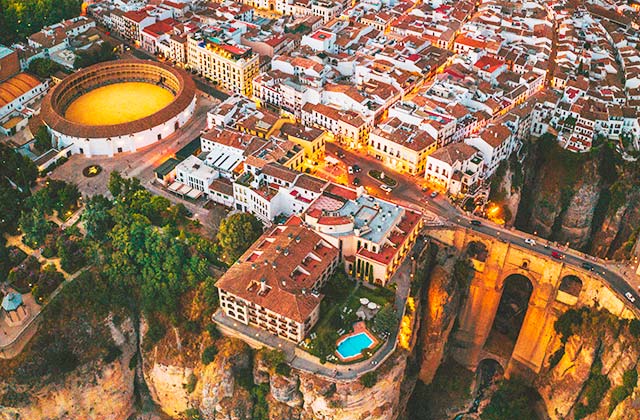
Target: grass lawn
x=340, y=293
x=387, y=179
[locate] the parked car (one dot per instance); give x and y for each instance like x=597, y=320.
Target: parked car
x=630, y=297
x=356, y=168
x=476, y=222
x=587, y=266
x=530, y=241
x=385, y=187
x=350, y=170
x=557, y=255
x=356, y=181
x=433, y=194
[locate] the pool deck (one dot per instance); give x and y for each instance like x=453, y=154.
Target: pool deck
x=358, y=328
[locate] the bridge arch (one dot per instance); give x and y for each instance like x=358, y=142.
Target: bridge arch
x=569, y=289
x=516, y=291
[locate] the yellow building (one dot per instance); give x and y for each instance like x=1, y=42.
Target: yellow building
x=311, y=139
x=233, y=67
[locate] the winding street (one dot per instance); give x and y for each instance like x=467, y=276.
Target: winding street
x=409, y=192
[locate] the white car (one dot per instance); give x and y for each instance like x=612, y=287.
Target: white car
x=350, y=170
x=629, y=296
x=385, y=187
x=530, y=241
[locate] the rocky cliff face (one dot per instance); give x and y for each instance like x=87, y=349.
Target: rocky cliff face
x=587, y=200
x=100, y=389
x=585, y=374
x=441, y=308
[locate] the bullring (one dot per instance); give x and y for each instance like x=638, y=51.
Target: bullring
x=128, y=132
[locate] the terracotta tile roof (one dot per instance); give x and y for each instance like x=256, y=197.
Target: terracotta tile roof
x=280, y=172
x=456, y=152
x=289, y=260
x=222, y=186
x=16, y=86
x=310, y=183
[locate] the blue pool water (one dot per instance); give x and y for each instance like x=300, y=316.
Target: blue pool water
x=353, y=346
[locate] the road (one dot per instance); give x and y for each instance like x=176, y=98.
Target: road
x=409, y=192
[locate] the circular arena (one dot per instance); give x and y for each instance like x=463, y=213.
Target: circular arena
x=118, y=106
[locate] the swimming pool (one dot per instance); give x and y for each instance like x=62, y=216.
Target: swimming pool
x=353, y=345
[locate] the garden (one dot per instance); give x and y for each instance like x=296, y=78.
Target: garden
x=383, y=177
x=338, y=309
x=31, y=277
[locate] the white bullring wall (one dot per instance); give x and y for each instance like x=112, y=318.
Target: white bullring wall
x=128, y=142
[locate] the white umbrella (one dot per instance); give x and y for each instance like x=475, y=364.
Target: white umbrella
x=364, y=301
x=372, y=306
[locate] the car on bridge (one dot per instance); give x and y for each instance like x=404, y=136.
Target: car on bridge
x=385, y=187
x=630, y=297
x=475, y=222
x=557, y=255
x=530, y=241
x=587, y=266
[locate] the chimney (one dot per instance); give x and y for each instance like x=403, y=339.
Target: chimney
x=285, y=252
x=263, y=285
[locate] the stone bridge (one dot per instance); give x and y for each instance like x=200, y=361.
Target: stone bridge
x=556, y=287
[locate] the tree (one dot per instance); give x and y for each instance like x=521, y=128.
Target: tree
x=43, y=139
x=18, y=169
x=96, y=217
x=209, y=354
x=35, y=227
x=369, y=379
x=237, y=233
x=105, y=52
x=386, y=320
x=512, y=400
x=44, y=67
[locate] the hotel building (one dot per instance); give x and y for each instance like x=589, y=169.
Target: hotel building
x=373, y=235
x=275, y=284
x=233, y=67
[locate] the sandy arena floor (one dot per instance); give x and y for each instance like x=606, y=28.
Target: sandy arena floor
x=118, y=103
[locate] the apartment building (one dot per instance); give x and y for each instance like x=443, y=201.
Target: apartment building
x=312, y=140
x=194, y=173
x=275, y=285
x=273, y=190
x=401, y=146
x=495, y=143
x=455, y=168
x=347, y=127
x=233, y=67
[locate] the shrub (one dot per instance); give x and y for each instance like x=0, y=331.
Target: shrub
x=283, y=369
x=213, y=331
x=634, y=327
x=369, y=379
x=190, y=386
x=556, y=357
x=209, y=354
x=113, y=352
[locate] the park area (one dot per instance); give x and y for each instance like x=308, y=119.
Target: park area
x=345, y=304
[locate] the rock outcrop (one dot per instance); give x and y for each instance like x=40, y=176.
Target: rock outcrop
x=441, y=308
x=98, y=390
